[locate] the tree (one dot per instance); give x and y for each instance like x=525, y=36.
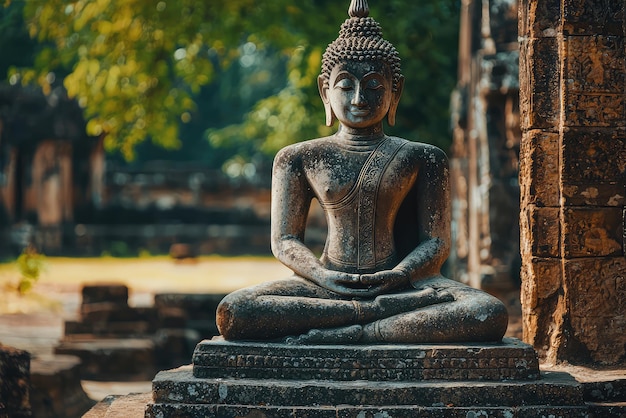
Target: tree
x=138, y=67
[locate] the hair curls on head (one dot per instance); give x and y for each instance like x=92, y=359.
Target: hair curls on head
x=361, y=39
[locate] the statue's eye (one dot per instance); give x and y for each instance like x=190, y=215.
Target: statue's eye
x=345, y=84
x=373, y=84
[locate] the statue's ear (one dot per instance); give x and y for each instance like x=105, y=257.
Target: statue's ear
x=322, y=85
x=391, y=115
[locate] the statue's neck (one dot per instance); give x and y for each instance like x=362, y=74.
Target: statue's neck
x=360, y=137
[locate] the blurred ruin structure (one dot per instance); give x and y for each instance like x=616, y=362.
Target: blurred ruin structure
x=50, y=170
x=60, y=193
x=485, y=149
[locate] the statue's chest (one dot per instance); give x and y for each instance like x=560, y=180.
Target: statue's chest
x=339, y=180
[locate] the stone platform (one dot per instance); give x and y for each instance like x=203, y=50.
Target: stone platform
x=230, y=379
x=510, y=360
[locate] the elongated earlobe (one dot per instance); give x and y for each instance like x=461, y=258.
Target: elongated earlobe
x=322, y=85
x=393, y=108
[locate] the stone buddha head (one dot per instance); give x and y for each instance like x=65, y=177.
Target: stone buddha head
x=360, y=82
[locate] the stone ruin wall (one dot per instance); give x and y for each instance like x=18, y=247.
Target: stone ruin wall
x=572, y=176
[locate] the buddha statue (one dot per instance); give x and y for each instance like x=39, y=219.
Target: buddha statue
x=387, y=205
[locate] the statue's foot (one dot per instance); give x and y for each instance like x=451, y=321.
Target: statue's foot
x=343, y=335
x=394, y=304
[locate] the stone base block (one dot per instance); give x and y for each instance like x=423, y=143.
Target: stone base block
x=508, y=360
x=182, y=386
x=177, y=393
x=238, y=411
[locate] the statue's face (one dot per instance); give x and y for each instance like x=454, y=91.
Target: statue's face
x=360, y=92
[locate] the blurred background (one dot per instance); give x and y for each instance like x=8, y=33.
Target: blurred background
x=137, y=137
x=126, y=129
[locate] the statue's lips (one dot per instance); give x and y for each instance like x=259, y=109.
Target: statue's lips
x=360, y=112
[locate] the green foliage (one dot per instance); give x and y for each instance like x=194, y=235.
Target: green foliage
x=142, y=68
x=14, y=39
x=120, y=249
x=30, y=265
x=425, y=34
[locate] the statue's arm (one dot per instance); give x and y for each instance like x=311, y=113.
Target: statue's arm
x=291, y=199
x=433, y=194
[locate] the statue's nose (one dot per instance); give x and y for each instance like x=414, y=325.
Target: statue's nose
x=358, y=99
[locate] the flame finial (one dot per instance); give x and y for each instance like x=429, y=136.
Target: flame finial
x=359, y=8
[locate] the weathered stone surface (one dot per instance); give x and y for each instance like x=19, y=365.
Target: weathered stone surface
x=181, y=386
x=592, y=232
x=617, y=410
x=541, y=234
x=56, y=389
x=594, y=109
x=610, y=390
x=595, y=64
x=571, y=322
x=539, y=169
x=590, y=17
x=597, y=302
x=594, y=167
x=550, y=270
x=594, y=89
x=539, y=84
x=14, y=383
x=112, y=359
x=543, y=304
x=593, y=194
x=509, y=360
x=228, y=411
x=129, y=406
x=539, y=18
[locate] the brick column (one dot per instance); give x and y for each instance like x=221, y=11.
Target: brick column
x=572, y=176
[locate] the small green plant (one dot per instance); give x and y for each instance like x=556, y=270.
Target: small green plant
x=30, y=264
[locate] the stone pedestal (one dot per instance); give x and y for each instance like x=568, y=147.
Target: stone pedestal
x=230, y=379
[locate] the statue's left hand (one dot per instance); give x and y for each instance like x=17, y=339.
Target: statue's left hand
x=386, y=281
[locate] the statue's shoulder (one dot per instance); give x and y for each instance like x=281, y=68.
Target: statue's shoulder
x=422, y=152
x=300, y=151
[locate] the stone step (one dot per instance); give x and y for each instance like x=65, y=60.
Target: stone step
x=179, y=386
x=605, y=391
x=607, y=409
x=115, y=406
x=509, y=360
x=125, y=359
x=348, y=411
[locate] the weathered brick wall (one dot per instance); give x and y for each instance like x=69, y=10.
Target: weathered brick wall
x=572, y=176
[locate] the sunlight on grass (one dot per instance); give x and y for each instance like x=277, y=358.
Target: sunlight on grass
x=160, y=274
